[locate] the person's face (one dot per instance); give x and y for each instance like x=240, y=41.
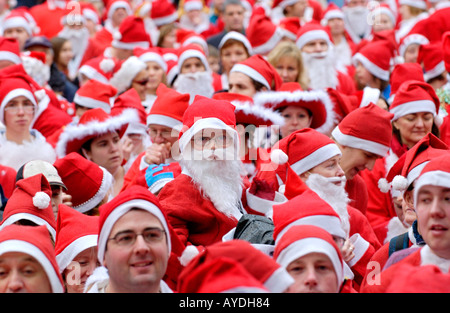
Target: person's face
x=287, y=67
x=405, y=12
x=409, y=213
x=364, y=77
x=140, y=83
x=160, y=134
x=170, y=39
x=433, y=217
x=231, y=55
x=313, y=273
x=18, y=114
x=214, y=63
x=194, y=16
x=337, y=26
x=140, y=265
x=118, y=16
x=66, y=53
x=21, y=273
x=398, y=206
x=329, y=168
x=233, y=17
x=19, y=33
x=297, y=9
x=57, y=198
x=413, y=127
x=48, y=53
x=315, y=46
x=295, y=118
x=192, y=65
x=241, y=84
x=155, y=76
x=411, y=53
x=79, y=270
x=211, y=143
x=106, y=151
x=382, y=22
x=354, y=160
x=356, y=3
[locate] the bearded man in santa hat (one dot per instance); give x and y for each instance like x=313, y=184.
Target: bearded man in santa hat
x=321, y=61
x=204, y=202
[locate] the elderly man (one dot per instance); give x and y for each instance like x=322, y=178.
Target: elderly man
x=134, y=245
x=204, y=202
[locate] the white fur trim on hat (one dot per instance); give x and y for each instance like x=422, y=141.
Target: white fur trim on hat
x=30, y=249
x=118, y=5
x=278, y=156
x=252, y=73
x=118, y=212
x=261, y=205
x=13, y=94
x=164, y=120
x=129, y=45
x=359, y=143
x=123, y=78
x=91, y=103
x=370, y=95
x=433, y=178
x=15, y=22
x=165, y=19
x=270, y=43
x=414, y=3
x=434, y=72
x=92, y=73
x=319, y=156
x=371, y=67
x=9, y=56
x=259, y=111
x=312, y=35
x=154, y=57
x=283, y=4
x=102, y=192
x=188, y=254
x=239, y=37
x=192, y=5
x=413, y=107
x=193, y=54
x=73, y=249
x=30, y=217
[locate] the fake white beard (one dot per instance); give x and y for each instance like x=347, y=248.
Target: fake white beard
x=198, y=83
x=219, y=180
x=334, y=195
x=321, y=69
x=78, y=38
x=356, y=19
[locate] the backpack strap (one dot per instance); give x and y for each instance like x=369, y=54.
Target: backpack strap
x=399, y=242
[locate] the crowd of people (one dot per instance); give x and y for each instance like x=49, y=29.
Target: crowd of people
x=285, y=146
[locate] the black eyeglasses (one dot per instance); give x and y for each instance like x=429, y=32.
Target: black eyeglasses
x=128, y=238
x=141, y=82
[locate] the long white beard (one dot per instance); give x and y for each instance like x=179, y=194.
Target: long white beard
x=77, y=37
x=198, y=83
x=334, y=195
x=219, y=180
x=321, y=69
x=356, y=20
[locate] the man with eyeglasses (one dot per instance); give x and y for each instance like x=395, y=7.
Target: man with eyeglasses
x=135, y=244
x=203, y=203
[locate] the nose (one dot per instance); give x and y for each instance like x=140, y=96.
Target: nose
x=436, y=209
x=340, y=172
x=140, y=246
x=311, y=278
x=15, y=282
x=370, y=164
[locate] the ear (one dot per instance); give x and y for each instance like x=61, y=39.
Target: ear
x=86, y=154
x=304, y=176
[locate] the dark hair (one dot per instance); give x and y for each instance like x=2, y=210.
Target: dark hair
x=434, y=130
x=57, y=43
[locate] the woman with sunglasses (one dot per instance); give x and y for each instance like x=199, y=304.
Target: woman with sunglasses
x=20, y=143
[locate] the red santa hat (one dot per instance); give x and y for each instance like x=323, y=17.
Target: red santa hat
x=75, y=232
x=18, y=18
x=192, y=51
x=445, y=48
x=248, y=112
x=305, y=239
x=403, y=72
x=95, y=94
x=435, y=173
x=87, y=182
x=375, y=56
x=259, y=265
x=187, y=36
x=410, y=39
x=306, y=209
x=420, y=4
x=263, y=34
x=31, y=200
x=90, y=12
x=220, y=275
x=10, y=50
x=290, y=27
x=163, y=12
x=415, y=96
x=93, y=123
x=123, y=78
x=312, y=31
x=283, y=3
x=131, y=33
x=134, y=197
x=191, y=5
x=34, y=241
x=100, y=68
x=150, y=55
x=233, y=35
x=168, y=115
x=431, y=56
x=113, y=5
x=206, y=113
x=332, y=11
x=130, y=100
x=301, y=151
x=260, y=70
x=317, y=102
x=408, y=167
x=374, y=136
x=383, y=8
